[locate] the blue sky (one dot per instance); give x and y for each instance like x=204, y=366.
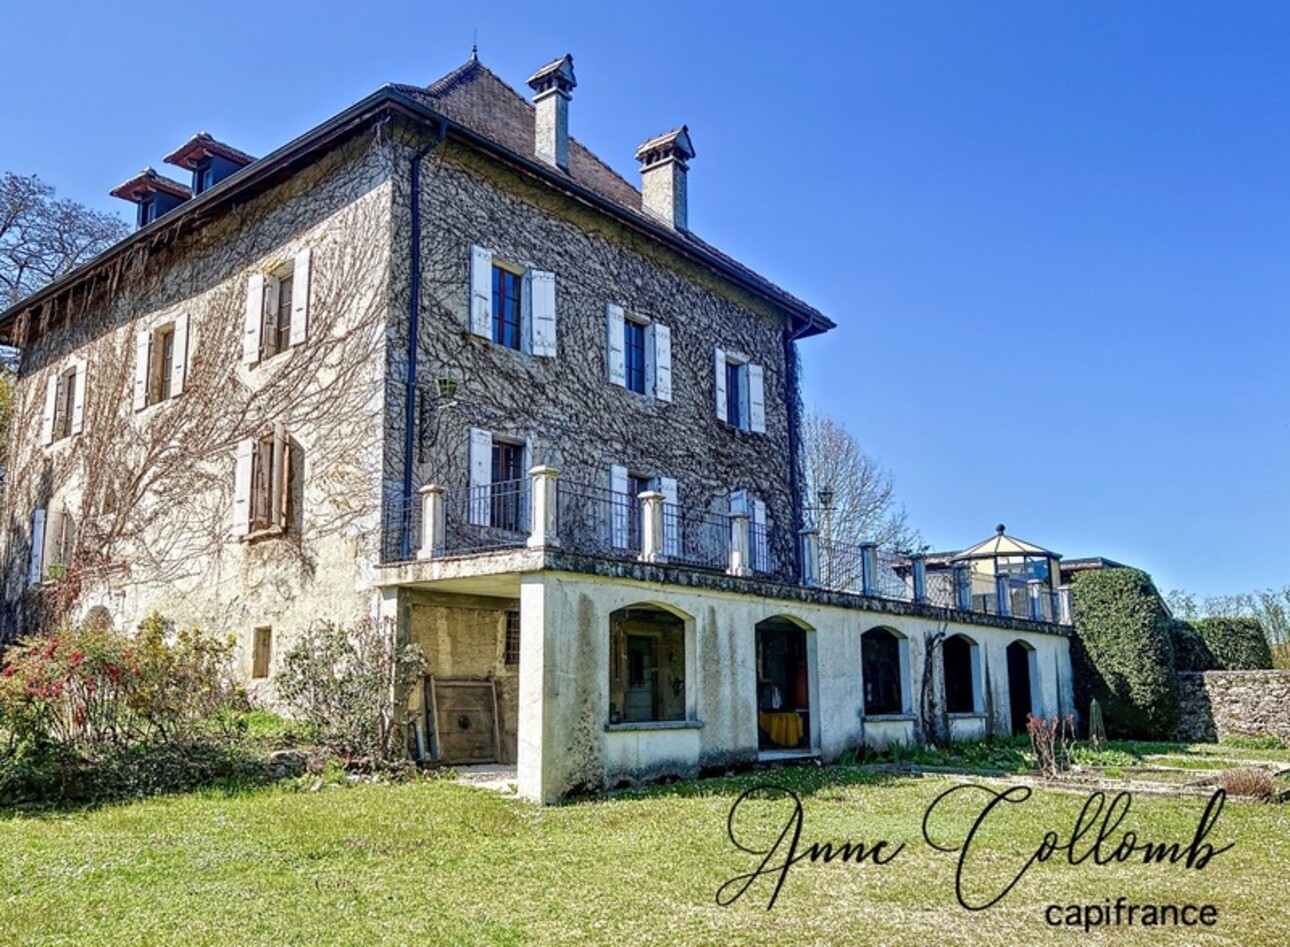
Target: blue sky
x=1055, y=236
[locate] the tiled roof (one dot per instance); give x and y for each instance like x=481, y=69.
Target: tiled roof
x=147, y=181
x=202, y=144
x=473, y=96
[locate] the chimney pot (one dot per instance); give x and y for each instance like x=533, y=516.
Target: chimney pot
x=664, y=163
x=552, y=87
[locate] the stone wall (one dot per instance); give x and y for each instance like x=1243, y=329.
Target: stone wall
x=1220, y=704
x=164, y=540
x=565, y=407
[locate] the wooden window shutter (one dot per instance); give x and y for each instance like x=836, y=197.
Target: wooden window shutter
x=300, y=276
x=756, y=399
x=542, y=297
x=242, y=487
x=739, y=503
x=671, y=518
x=36, y=566
x=659, y=364
x=142, y=368
x=719, y=362
x=279, y=477
x=481, y=477
x=81, y=380
x=620, y=503
x=614, y=320
x=179, y=368
x=481, y=292
x=51, y=401
x=253, y=319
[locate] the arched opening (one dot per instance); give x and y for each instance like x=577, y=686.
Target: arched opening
x=884, y=667
x=961, y=663
x=647, y=665
x=1021, y=684
x=783, y=686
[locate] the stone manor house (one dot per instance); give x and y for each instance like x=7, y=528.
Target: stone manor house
x=435, y=364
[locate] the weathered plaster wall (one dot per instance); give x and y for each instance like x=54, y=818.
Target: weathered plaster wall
x=466, y=637
x=1218, y=704
x=169, y=544
x=566, y=406
x=564, y=687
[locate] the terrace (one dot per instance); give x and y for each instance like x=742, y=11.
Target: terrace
x=477, y=530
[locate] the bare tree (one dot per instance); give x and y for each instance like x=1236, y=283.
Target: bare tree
x=862, y=506
x=43, y=237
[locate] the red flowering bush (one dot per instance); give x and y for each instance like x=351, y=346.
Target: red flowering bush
x=88, y=686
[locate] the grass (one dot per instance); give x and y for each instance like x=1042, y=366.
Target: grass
x=437, y=862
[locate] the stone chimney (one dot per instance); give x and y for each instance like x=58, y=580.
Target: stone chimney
x=663, y=167
x=552, y=86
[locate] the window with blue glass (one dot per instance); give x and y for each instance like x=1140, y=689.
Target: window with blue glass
x=634, y=351
x=147, y=211
x=203, y=176
x=507, y=292
x=735, y=394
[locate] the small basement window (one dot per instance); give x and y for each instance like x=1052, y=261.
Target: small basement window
x=262, y=652
x=512, y=657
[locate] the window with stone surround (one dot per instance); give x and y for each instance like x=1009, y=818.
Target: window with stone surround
x=740, y=391
x=161, y=362
x=512, y=643
x=262, y=485
x=64, y=403
x=277, y=308
x=639, y=353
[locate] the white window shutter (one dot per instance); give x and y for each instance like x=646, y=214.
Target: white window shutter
x=619, y=504
x=36, y=568
x=253, y=318
x=719, y=367
x=300, y=296
x=80, y=380
x=481, y=477
x=660, y=362
x=759, y=538
x=526, y=314
x=47, y=420
x=481, y=292
x=179, y=369
x=142, y=366
x=614, y=320
x=671, y=519
x=756, y=399
x=543, y=296
x=739, y=503
x=55, y=535
x=242, y=487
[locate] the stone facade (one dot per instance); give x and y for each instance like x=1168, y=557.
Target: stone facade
x=150, y=492
x=1219, y=704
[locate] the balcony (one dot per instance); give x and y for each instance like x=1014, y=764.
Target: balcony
x=547, y=511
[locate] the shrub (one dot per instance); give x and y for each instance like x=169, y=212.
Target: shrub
x=1051, y=740
x=87, y=686
x=1247, y=781
x=1236, y=643
x=1190, y=651
x=1122, y=653
x=341, y=681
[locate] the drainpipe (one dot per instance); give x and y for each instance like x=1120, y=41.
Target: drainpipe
x=414, y=330
x=794, y=434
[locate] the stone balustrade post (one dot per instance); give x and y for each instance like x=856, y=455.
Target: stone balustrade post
x=1035, y=589
x=1065, y=611
x=543, y=521
x=919, y=567
x=810, y=539
x=1002, y=596
x=739, y=562
x=962, y=586
x=652, y=526
x=869, y=568
x=433, y=523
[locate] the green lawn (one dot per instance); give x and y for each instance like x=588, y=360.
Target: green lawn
x=438, y=862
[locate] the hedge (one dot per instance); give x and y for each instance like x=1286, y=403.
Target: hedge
x=1190, y=651
x=1122, y=653
x=1236, y=644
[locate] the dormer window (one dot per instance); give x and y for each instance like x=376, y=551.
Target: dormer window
x=203, y=176
x=153, y=195
x=209, y=160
